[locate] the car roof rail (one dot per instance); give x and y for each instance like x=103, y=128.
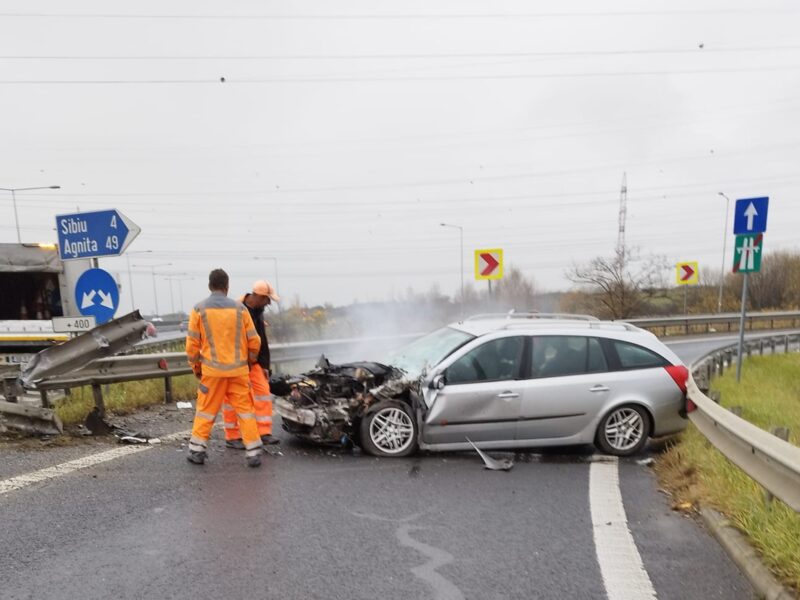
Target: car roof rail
x=627, y=326
x=576, y=324
x=531, y=315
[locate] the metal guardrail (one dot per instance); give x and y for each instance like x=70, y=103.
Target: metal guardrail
x=765, y=458
x=730, y=321
x=166, y=365
x=288, y=352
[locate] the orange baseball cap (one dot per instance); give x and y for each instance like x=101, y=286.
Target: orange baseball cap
x=265, y=288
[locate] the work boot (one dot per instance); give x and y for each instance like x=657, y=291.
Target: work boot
x=197, y=458
x=235, y=444
x=254, y=461
x=269, y=440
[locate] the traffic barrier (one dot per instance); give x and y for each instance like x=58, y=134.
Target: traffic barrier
x=766, y=458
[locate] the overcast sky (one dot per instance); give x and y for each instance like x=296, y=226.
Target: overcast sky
x=345, y=132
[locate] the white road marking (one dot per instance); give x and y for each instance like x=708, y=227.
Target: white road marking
x=22, y=481
x=624, y=575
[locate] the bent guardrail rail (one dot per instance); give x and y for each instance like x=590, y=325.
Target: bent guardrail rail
x=765, y=458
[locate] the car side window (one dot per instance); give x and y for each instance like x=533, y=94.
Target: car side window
x=496, y=360
x=632, y=356
x=560, y=355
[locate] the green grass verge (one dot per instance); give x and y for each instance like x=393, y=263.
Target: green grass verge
x=697, y=473
x=123, y=398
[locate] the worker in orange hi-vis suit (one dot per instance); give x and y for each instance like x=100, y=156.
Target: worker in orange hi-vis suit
x=221, y=344
x=263, y=295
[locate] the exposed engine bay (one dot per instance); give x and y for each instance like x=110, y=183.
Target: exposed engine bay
x=326, y=405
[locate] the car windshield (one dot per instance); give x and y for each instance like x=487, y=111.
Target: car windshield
x=428, y=350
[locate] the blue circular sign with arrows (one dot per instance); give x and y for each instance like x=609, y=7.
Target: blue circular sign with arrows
x=96, y=294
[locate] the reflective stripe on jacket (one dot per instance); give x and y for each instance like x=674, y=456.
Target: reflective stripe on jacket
x=221, y=337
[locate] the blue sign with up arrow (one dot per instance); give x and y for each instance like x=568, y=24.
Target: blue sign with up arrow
x=94, y=234
x=96, y=295
x=750, y=215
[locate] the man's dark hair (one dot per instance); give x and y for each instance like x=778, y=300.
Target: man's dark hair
x=218, y=280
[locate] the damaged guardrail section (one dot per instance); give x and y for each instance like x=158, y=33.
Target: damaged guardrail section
x=765, y=458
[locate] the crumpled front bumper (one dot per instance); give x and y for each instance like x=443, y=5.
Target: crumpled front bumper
x=290, y=412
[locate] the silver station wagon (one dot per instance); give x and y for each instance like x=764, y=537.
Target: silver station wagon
x=502, y=382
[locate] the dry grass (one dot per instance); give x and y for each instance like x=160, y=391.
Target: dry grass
x=124, y=398
x=697, y=473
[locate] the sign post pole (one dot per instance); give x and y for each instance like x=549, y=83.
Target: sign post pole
x=741, y=330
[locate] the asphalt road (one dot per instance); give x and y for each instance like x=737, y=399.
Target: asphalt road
x=320, y=523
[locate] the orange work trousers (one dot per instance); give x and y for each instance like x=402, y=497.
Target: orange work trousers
x=235, y=391
x=262, y=403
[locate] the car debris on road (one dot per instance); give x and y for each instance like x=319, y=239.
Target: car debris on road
x=490, y=463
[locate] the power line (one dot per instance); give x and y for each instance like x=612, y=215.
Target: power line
x=413, y=56
x=400, y=16
x=223, y=80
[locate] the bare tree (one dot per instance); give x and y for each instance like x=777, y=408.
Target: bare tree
x=515, y=290
x=777, y=285
x=622, y=283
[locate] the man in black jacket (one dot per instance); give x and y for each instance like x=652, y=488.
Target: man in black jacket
x=263, y=295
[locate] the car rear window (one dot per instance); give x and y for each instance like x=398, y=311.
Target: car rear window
x=632, y=356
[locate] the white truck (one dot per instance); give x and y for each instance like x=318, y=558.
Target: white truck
x=34, y=288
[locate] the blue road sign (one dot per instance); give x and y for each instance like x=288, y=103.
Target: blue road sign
x=94, y=234
x=96, y=295
x=750, y=215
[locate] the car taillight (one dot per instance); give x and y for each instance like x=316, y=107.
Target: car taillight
x=679, y=374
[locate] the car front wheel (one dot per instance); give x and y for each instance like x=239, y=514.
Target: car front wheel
x=389, y=429
x=623, y=431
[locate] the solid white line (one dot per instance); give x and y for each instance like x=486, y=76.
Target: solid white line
x=624, y=575
x=22, y=481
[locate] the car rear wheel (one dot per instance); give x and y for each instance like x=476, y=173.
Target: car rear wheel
x=389, y=429
x=623, y=431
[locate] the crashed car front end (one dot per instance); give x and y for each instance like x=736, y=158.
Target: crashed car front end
x=326, y=405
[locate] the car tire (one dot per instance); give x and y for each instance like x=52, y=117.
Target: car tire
x=623, y=431
x=389, y=429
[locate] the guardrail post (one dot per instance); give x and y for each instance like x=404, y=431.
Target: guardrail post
x=737, y=410
x=783, y=434
x=761, y=347
x=721, y=363
x=45, y=400
x=715, y=395
x=786, y=344
x=9, y=391
x=167, y=390
x=97, y=392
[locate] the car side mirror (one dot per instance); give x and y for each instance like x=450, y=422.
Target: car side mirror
x=438, y=382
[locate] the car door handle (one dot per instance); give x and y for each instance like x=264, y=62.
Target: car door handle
x=508, y=395
x=599, y=388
